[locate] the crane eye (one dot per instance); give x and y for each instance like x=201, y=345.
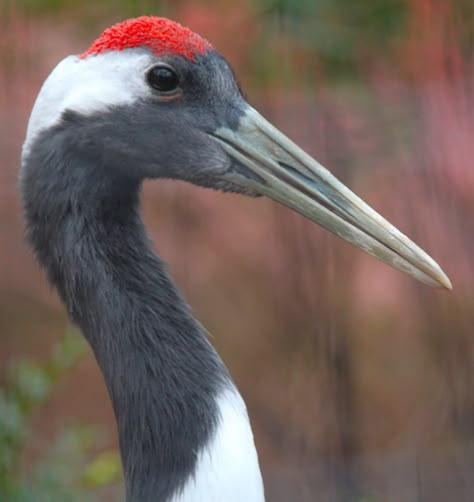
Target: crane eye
x=163, y=78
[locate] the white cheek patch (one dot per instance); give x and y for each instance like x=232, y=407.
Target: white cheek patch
x=89, y=86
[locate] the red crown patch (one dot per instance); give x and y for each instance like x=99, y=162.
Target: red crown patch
x=157, y=33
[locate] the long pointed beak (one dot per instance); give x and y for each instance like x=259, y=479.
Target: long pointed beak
x=285, y=173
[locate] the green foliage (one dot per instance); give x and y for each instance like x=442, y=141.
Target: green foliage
x=338, y=33
x=103, y=470
x=61, y=473
x=120, y=7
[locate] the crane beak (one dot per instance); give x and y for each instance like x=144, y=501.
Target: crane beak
x=285, y=173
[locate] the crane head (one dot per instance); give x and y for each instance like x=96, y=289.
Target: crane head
x=151, y=99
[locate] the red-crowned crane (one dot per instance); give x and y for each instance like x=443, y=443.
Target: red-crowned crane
x=151, y=99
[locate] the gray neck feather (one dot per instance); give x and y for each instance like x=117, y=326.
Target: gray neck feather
x=162, y=374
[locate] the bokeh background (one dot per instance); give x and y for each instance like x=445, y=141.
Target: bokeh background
x=359, y=381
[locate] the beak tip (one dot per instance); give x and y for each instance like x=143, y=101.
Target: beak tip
x=443, y=280
x=446, y=283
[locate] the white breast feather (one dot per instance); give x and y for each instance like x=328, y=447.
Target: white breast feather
x=227, y=469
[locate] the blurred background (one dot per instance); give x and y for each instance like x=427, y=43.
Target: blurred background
x=359, y=381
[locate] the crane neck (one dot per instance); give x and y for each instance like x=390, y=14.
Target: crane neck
x=161, y=372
